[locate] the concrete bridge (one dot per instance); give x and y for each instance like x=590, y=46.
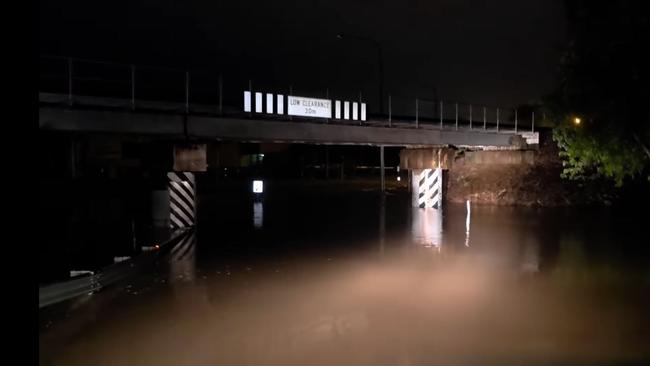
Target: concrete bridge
x=110, y=115
x=430, y=144
x=266, y=120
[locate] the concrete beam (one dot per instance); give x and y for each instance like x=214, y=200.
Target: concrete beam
x=426, y=158
x=431, y=158
x=499, y=157
x=252, y=130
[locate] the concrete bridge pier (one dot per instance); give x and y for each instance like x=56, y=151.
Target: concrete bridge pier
x=182, y=199
x=427, y=171
x=176, y=206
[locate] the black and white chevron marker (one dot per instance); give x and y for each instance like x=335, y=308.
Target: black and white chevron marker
x=182, y=199
x=430, y=188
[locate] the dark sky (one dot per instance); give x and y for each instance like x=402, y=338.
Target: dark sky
x=491, y=52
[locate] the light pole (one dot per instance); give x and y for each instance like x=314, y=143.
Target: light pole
x=380, y=60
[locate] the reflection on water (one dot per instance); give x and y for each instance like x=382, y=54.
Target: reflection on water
x=428, y=229
x=530, y=260
x=382, y=224
x=258, y=215
x=469, y=208
x=536, y=287
x=427, y=226
x=182, y=260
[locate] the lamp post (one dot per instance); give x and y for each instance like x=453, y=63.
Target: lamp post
x=380, y=61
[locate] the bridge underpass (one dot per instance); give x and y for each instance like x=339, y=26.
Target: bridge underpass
x=90, y=96
x=91, y=101
x=186, y=125
x=108, y=115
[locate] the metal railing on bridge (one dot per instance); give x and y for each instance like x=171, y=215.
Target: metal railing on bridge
x=82, y=82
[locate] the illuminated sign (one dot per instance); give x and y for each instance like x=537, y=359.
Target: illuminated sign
x=309, y=107
x=258, y=186
x=256, y=102
x=531, y=137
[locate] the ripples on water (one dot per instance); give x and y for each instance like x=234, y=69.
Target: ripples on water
x=354, y=281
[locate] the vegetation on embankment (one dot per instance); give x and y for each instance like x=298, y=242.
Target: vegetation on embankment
x=489, y=177
x=600, y=106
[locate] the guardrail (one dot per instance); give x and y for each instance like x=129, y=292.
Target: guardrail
x=61, y=291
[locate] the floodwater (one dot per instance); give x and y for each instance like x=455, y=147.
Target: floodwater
x=348, y=279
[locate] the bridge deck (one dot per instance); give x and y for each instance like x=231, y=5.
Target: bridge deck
x=110, y=115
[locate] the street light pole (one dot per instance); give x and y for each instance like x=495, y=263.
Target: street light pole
x=380, y=62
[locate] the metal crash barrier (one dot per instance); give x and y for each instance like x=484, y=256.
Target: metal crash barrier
x=61, y=291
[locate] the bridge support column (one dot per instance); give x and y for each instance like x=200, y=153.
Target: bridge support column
x=188, y=158
x=427, y=188
x=427, y=168
x=182, y=199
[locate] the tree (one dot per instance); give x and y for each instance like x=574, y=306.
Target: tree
x=589, y=155
x=603, y=82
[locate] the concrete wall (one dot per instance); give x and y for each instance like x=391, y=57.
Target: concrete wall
x=529, y=178
x=430, y=158
x=499, y=157
x=426, y=158
x=502, y=177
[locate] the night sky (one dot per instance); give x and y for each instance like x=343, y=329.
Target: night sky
x=487, y=52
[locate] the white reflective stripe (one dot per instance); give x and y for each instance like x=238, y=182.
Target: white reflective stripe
x=280, y=98
x=424, y=188
x=247, y=101
x=355, y=112
x=184, y=178
x=175, y=220
x=346, y=110
x=175, y=196
x=363, y=111
x=182, y=192
x=435, y=199
x=422, y=200
x=174, y=177
x=190, y=177
x=258, y=102
x=429, y=187
x=269, y=103
x=180, y=216
x=337, y=109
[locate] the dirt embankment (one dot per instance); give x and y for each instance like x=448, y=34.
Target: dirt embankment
x=529, y=178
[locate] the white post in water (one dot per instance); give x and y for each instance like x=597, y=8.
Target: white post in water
x=381, y=163
x=467, y=224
